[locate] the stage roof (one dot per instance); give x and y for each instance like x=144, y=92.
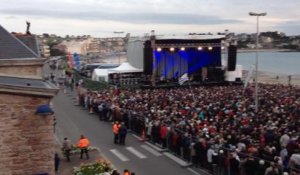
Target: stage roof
x=179, y=37
x=189, y=37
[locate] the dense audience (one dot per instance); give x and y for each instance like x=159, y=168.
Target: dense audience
x=212, y=127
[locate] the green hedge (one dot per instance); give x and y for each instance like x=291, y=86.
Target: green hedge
x=90, y=84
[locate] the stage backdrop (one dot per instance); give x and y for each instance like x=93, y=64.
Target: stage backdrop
x=174, y=64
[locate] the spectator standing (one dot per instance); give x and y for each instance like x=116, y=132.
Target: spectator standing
x=122, y=134
x=289, y=79
x=295, y=162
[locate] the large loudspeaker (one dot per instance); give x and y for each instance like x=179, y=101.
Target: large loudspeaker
x=148, y=59
x=215, y=74
x=231, y=58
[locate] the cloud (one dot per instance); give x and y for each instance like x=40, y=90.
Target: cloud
x=10, y=17
x=290, y=27
x=134, y=18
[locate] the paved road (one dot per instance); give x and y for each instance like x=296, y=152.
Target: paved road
x=72, y=121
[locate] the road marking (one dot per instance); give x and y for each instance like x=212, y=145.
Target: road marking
x=193, y=171
x=136, y=152
x=119, y=155
x=137, y=137
x=176, y=159
x=151, y=150
x=156, y=147
x=200, y=171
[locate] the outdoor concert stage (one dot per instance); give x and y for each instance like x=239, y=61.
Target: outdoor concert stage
x=167, y=58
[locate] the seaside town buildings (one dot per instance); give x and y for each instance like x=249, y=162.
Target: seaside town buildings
x=100, y=47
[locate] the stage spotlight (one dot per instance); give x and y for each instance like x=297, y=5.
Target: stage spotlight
x=222, y=47
x=182, y=49
x=158, y=49
x=172, y=49
x=210, y=48
x=199, y=48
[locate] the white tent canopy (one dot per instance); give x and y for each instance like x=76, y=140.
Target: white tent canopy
x=125, y=68
x=100, y=75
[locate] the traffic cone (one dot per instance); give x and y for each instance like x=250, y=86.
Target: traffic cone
x=77, y=100
x=143, y=136
x=91, y=110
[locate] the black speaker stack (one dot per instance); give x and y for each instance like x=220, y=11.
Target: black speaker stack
x=231, y=58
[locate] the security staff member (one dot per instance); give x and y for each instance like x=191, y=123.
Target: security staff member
x=116, y=128
x=83, y=145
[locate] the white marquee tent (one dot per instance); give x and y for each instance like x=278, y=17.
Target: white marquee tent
x=102, y=74
x=125, y=68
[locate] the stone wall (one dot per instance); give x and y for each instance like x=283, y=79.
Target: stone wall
x=26, y=139
x=22, y=71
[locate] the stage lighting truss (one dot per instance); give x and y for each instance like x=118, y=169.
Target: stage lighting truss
x=183, y=46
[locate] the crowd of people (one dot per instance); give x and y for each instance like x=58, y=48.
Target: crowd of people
x=212, y=127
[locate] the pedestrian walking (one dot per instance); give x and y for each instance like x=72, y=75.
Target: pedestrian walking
x=83, y=144
x=289, y=79
x=115, y=172
x=67, y=147
x=56, y=162
x=116, y=127
x=122, y=134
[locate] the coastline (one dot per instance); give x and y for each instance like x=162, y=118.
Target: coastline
x=265, y=50
x=275, y=78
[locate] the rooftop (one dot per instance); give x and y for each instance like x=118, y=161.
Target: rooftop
x=12, y=47
x=25, y=82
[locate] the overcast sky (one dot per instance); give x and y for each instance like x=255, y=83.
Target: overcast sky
x=102, y=17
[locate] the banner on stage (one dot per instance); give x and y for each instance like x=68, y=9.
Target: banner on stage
x=183, y=79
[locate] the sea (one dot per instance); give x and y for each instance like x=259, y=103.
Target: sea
x=274, y=62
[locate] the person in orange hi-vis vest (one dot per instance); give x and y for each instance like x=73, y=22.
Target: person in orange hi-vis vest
x=126, y=172
x=115, y=128
x=83, y=144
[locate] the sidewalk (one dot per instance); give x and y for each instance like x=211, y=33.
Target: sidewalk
x=66, y=168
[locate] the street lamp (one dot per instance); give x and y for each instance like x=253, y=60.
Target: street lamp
x=256, y=54
x=118, y=33
x=153, y=46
